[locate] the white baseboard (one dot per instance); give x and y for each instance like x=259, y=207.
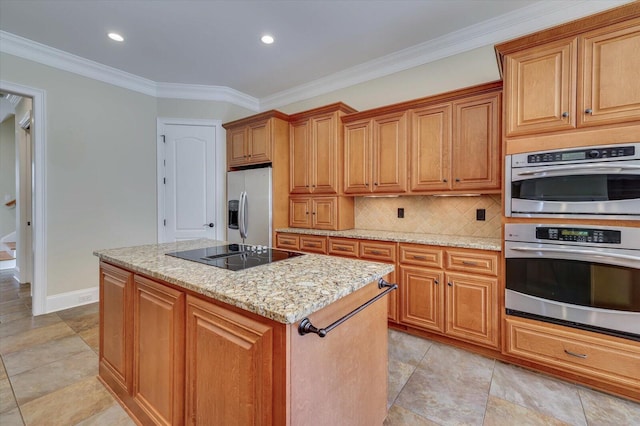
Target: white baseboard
x=71, y=299
x=7, y=264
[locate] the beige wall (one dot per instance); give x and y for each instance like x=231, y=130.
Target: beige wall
x=101, y=159
x=205, y=110
x=465, y=69
x=7, y=175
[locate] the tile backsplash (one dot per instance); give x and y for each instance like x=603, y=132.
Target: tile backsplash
x=429, y=214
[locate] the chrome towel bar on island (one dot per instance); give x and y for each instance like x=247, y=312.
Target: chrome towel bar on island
x=306, y=327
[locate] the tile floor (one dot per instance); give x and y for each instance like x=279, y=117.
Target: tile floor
x=49, y=367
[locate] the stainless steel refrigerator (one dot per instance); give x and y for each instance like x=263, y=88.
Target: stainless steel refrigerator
x=249, y=206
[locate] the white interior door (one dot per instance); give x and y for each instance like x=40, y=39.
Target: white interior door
x=192, y=199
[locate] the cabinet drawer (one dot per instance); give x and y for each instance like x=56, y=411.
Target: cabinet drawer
x=472, y=261
x=415, y=254
x=343, y=247
x=604, y=358
x=313, y=244
x=288, y=241
x=378, y=250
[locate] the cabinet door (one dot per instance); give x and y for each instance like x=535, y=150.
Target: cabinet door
x=229, y=367
x=299, y=146
x=237, y=147
x=472, y=308
x=610, y=87
x=393, y=310
x=476, y=143
x=259, y=142
x=324, y=213
x=430, y=148
x=357, y=157
x=115, y=326
x=540, y=88
x=390, y=153
x=299, y=213
x=325, y=136
x=422, y=298
x=158, y=336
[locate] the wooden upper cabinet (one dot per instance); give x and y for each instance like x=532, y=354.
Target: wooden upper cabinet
x=540, y=88
x=390, y=153
x=357, y=163
x=430, y=148
x=610, y=78
x=376, y=155
x=476, y=143
x=252, y=140
x=588, y=78
x=316, y=150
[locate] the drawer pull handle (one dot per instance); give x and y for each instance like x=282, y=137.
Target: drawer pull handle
x=379, y=253
x=466, y=262
x=340, y=248
x=312, y=245
x=577, y=355
x=420, y=257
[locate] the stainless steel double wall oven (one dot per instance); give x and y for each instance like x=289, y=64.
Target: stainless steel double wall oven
x=583, y=274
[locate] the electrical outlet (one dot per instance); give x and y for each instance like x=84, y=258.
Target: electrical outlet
x=480, y=214
x=85, y=298
x=400, y=213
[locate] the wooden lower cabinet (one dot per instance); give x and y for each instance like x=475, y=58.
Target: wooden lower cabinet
x=609, y=360
x=422, y=297
x=229, y=370
x=472, y=308
x=116, y=340
x=383, y=251
x=459, y=305
x=158, y=351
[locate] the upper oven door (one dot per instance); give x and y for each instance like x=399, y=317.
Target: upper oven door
x=597, y=190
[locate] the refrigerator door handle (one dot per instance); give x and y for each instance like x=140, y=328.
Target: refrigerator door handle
x=242, y=219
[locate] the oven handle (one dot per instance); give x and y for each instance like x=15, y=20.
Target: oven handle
x=617, y=168
x=574, y=251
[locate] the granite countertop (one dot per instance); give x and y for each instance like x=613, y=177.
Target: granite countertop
x=493, y=244
x=284, y=291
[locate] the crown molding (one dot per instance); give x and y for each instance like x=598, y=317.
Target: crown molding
x=532, y=18
x=526, y=20
x=46, y=55
x=207, y=93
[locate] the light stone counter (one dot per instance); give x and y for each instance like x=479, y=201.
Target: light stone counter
x=493, y=244
x=285, y=291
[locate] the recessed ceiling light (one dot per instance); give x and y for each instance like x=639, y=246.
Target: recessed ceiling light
x=267, y=39
x=115, y=37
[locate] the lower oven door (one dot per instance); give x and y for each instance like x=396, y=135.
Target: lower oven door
x=587, y=287
x=595, y=190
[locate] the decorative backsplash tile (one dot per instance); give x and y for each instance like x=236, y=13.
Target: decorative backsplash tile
x=429, y=214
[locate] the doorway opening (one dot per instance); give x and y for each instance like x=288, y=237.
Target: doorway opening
x=30, y=194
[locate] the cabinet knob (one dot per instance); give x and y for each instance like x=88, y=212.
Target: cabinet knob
x=457, y=180
x=444, y=180
x=366, y=184
x=313, y=186
x=450, y=284
x=306, y=186
x=435, y=282
x=565, y=114
x=375, y=183
x=588, y=111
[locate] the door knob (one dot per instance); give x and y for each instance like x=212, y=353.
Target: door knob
x=210, y=225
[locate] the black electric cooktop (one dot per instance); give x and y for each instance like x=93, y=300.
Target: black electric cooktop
x=235, y=257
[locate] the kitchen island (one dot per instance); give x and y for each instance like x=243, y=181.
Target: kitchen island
x=187, y=343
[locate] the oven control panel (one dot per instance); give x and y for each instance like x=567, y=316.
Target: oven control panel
x=599, y=153
x=580, y=235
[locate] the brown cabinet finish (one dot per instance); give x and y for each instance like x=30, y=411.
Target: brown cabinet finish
x=343, y=247
x=249, y=145
x=609, y=89
x=422, y=297
x=383, y=251
x=229, y=374
x=313, y=244
x=431, y=148
x=376, y=155
x=540, y=88
x=116, y=333
x=472, y=308
x=330, y=213
x=601, y=357
x=476, y=262
x=475, y=155
x=580, y=74
x=287, y=241
x=158, y=364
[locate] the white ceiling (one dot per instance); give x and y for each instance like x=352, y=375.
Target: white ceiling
x=216, y=43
